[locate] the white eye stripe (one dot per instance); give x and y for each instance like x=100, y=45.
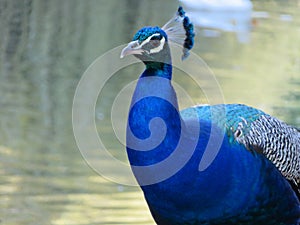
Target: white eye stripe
x=149, y=38
x=158, y=48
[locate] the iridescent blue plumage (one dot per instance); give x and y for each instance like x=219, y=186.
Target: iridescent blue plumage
x=146, y=32
x=242, y=185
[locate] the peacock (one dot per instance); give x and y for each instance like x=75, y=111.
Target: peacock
x=254, y=174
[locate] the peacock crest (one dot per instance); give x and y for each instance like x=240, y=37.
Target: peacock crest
x=181, y=31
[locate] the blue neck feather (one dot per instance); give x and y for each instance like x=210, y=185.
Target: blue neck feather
x=154, y=97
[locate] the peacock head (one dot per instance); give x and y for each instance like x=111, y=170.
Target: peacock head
x=148, y=44
x=152, y=43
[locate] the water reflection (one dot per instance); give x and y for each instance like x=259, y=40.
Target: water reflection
x=45, y=48
x=220, y=15
x=291, y=107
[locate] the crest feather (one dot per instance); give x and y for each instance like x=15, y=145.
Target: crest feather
x=181, y=31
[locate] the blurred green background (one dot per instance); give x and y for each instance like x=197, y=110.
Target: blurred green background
x=45, y=48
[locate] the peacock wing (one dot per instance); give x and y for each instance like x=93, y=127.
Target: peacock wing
x=258, y=132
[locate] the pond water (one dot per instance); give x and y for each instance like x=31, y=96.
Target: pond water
x=46, y=46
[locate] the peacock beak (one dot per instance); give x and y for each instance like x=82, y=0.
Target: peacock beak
x=133, y=48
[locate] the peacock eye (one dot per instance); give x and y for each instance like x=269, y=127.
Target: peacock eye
x=155, y=43
x=135, y=45
x=155, y=40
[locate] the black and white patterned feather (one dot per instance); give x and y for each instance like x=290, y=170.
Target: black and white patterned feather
x=279, y=142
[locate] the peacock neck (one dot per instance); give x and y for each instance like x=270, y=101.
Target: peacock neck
x=154, y=97
x=155, y=81
x=158, y=69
